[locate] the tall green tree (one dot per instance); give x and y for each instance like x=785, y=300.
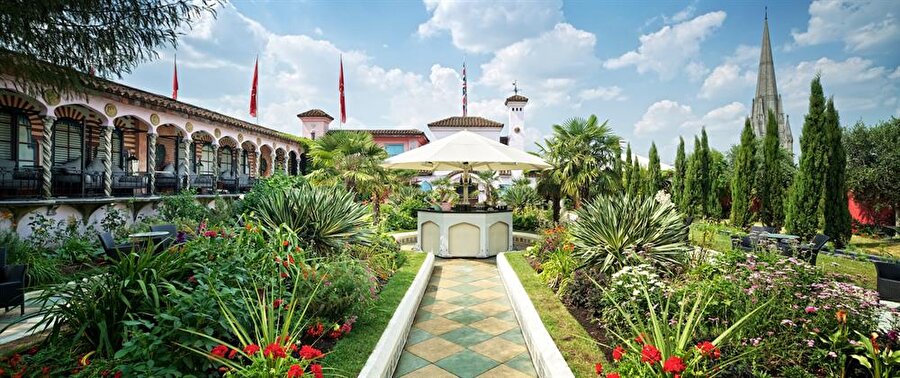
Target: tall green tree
x=872, y=160
x=352, y=159
x=109, y=38
x=837, y=212
x=654, y=172
x=742, y=178
x=705, y=177
x=680, y=171
x=636, y=187
x=719, y=185
x=806, y=194
x=692, y=198
x=627, y=180
x=582, y=152
x=770, y=186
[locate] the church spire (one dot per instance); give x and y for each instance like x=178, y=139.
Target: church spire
x=767, y=97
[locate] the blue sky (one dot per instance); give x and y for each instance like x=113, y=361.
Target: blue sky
x=655, y=70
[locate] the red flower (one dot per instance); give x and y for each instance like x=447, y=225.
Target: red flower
x=650, y=354
x=291, y=258
x=232, y=353
x=618, y=353
x=613, y=375
x=673, y=364
x=251, y=349
x=277, y=303
x=219, y=351
x=45, y=370
x=639, y=339
x=295, y=371
x=118, y=374
x=274, y=350
x=346, y=328
x=284, y=275
x=336, y=334
x=32, y=351
x=709, y=350
x=316, y=369
x=285, y=243
x=210, y=234
x=316, y=330
x=309, y=353
x=598, y=368
x=192, y=280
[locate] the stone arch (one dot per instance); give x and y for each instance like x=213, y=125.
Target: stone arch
x=130, y=140
x=464, y=239
x=431, y=237
x=265, y=167
x=498, y=237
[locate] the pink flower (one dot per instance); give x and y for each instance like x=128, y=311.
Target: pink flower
x=811, y=309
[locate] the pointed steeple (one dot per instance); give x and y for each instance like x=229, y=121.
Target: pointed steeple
x=767, y=97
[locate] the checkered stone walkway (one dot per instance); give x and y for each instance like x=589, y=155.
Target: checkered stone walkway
x=465, y=326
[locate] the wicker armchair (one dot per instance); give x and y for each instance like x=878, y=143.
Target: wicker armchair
x=12, y=284
x=888, y=280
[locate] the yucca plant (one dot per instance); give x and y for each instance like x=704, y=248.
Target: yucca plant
x=661, y=341
x=620, y=230
x=324, y=218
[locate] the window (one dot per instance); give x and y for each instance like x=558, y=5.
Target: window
x=117, y=160
x=393, y=149
x=206, y=159
x=160, y=157
x=16, y=141
x=263, y=167
x=68, y=141
x=313, y=134
x=245, y=167
x=225, y=160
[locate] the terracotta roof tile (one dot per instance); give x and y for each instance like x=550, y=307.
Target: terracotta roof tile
x=315, y=113
x=469, y=121
x=516, y=98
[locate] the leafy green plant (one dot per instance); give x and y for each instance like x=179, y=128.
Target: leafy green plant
x=616, y=231
x=527, y=219
x=520, y=197
x=558, y=269
x=325, y=219
x=182, y=205
x=660, y=342
x=881, y=362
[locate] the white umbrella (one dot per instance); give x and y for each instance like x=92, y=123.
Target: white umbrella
x=465, y=151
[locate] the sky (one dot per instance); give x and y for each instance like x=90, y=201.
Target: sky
x=655, y=70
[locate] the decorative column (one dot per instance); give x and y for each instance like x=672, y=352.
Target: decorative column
x=215, y=165
x=105, y=156
x=284, y=164
x=254, y=164
x=186, y=162
x=151, y=163
x=47, y=157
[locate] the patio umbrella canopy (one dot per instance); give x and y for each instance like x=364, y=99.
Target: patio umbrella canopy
x=465, y=151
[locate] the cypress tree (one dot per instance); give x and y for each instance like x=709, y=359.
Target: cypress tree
x=680, y=171
x=837, y=213
x=742, y=178
x=692, y=198
x=771, y=190
x=627, y=168
x=705, y=177
x=637, y=179
x=806, y=193
x=654, y=173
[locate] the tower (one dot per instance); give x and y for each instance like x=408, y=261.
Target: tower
x=515, y=105
x=767, y=97
x=314, y=123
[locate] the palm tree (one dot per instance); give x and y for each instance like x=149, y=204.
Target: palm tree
x=583, y=153
x=549, y=188
x=488, y=179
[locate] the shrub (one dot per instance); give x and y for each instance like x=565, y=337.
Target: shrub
x=382, y=257
x=346, y=288
x=268, y=185
x=526, y=219
x=394, y=219
x=612, y=232
x=558, y=268
x=325, y=219
x=182, y=205
x=519, y=197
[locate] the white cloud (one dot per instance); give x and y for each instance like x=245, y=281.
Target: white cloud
x=896, y=74
x=603, y=93
x=551, y=64
x=318, y=31
x=726, y=78
x=483, y=27
x=856, y=83
x=671, y=48
x=859, y=24
x=725, y=120
x=665, y=115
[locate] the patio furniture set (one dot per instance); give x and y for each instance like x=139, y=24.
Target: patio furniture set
x=161, y=237
x=788, y=245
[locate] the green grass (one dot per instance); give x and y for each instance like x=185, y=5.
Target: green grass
x=576, y=345
x=861, y=273
x=882, y=247
x=350, y=354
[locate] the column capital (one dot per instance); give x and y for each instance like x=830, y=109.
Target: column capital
x=49, y=119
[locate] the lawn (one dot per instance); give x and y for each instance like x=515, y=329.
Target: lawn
x=576, y=345
x=872, y=246
x=861, y=273
x=350, y=355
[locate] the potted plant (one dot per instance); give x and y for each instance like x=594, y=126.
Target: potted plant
x=443, y=194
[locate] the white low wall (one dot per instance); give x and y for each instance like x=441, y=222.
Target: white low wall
x=383, y=360
x=473, y=233
x=548, y=360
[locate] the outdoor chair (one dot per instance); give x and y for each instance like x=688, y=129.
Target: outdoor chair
x=806, y=252
x=113, y=250
x=12, y=284
x=169, y=240
x=743, y=243
x=888, y=280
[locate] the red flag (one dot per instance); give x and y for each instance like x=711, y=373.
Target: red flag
x=253, y=89
x=341, y=89
x=175, y=81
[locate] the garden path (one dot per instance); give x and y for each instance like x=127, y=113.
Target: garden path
x=19, y=330
x=465, y=326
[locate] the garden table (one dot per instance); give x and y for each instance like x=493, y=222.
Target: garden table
x=785, y=237
x=148, y=235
